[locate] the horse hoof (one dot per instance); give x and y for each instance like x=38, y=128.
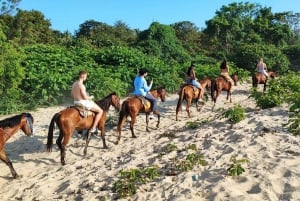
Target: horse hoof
x=16, y=176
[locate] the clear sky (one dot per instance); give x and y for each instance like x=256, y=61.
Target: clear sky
x=67, y=15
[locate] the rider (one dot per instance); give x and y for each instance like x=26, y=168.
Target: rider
x=141, y=88
x=81, y=97
x=262, y=67
x=194, y=81
x=224, y=72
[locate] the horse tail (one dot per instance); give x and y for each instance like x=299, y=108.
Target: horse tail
x=50, y=132
x=213, y=89
x=180, y=100
x=122, y=114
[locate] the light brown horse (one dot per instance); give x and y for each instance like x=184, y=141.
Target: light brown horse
x=8, y=127
x=188, y=93
x=220, y=84
x=69, y=120
x=260, y=78
x=132, y=106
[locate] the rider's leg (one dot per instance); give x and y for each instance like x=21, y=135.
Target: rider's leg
x=97, y=118
x=153, y=104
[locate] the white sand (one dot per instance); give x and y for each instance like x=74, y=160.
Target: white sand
x=272, y=173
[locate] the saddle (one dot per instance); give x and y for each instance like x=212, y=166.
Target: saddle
x=195, y=89
x=146, y=103
x=83, y=111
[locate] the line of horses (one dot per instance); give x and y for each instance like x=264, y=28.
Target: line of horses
x=69, y=119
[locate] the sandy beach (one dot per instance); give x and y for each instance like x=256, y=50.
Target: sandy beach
x=272, y=172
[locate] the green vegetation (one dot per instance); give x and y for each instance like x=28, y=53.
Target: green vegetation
x=236, y=168
x=284, y=89
x=38, y=65
x=235, y=114
x=130, y=179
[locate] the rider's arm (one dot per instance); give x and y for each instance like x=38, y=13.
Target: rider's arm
x=85, y=96
x=145, y=85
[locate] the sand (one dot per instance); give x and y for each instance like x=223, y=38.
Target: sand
x=272, y=171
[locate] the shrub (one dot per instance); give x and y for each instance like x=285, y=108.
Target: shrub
x=236, y=168
x=235, y=114
x=129, y=179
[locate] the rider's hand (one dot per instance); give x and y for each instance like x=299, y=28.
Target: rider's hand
x=91, y=97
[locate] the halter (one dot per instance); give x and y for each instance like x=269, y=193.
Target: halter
x=29, y=122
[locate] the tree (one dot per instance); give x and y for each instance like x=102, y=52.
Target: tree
x=30, y=27
x=161, y=41
x=189, y=36
x=103, y=35
x=11, y=76
x=8, y=6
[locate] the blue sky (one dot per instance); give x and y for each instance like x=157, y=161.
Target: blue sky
x=67, y=15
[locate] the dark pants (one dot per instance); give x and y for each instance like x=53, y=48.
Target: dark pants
x=153, y=101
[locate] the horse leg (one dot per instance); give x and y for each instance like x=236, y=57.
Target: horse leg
x=215, y=98
x=265, y=87
x=6, y=160
x=122, y=119
x=62, y=151
x=61, y=142
x=87, y=141
x=229, y=94
x=133, y=119
x=147, y=122
x=158, y=118
x=102, y=129
x=188, y=105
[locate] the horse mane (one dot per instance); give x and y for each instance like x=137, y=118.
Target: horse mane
x=105, y=102
x=11, y=121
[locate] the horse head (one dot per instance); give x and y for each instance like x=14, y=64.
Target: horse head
x=161, y=92
x=272, y=74
x=234, y=76
x=115, y=99
x=27, y=123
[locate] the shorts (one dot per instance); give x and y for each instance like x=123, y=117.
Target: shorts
x=86, y=103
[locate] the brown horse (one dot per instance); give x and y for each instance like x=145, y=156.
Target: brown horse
x=132, y=106
x=188, y=93
x=70, y=119
x=8, y=127
x=260, y=78
x=220, y=84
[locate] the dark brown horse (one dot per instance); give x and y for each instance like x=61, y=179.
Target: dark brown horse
x=132, y=106
x=220, y=84
x=8, y=127
x=260, y=78
x=188, y=93
x=69, y=120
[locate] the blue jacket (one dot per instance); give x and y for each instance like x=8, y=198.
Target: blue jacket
x=140, y=86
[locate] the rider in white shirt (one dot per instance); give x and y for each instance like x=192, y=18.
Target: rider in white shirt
x=262, y=67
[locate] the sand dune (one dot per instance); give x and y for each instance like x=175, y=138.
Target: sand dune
x=272, y=173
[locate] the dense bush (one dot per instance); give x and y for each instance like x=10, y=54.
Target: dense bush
x=272, y=97
x=235, y=114
x=285, y=89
